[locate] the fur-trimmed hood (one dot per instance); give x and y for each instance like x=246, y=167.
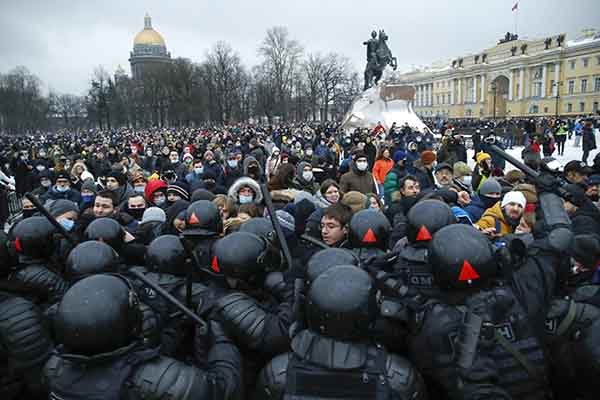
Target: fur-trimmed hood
x=241, y=182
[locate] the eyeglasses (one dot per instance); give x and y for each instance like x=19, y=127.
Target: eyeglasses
x=330, y=226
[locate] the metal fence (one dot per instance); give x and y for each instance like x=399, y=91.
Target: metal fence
x=15, y=206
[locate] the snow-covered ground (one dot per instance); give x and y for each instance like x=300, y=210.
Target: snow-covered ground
x=571, y=153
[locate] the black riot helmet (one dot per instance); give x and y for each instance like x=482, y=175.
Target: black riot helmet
x=6, y=258
x=33, y=237
x=203, y=219
x=261, y=227
x=369, y=228
x=240, y=255
x=426, y=218
x=167, y=255
x=325, y=259
x=98, y=314
x=106, y=230
x=91, y=257
x=341, y=303
x=461, y=257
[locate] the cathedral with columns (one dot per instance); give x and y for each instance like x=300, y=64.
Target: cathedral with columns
x=149, y=51
x=515, y=78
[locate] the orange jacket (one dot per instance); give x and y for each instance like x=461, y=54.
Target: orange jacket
x=381, y=168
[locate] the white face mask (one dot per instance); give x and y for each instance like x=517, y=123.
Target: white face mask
x=309, y=152
x=362, y=165
x=307, y=175
x=467, y=180
x=232, y=163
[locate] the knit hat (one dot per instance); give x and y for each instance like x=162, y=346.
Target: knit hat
x=119, y=176
x=62, y=175
x=461, y=169
x=187, y=156
x=59, y=207
x=180, y=188
x=355, y=200
x=399, y=155
x=514, y=176
x=202, y=194
x=490, y=185
x=90, y=186
x=136, y=176
x=528, y=191
x=286, y=220
x=428, y=157
x=585, y=249
x=514, y=197
x=482, y=156
x=209, y=153
x=153, y=214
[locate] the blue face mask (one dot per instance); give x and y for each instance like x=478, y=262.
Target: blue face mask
x=61, y=189
x=199, y=171
x=246, y=199
x=87, y=198
x=67, y=224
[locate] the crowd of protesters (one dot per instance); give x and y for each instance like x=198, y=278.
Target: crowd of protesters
x=381, y=195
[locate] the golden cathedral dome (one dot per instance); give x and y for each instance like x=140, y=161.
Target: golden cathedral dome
x=148, y=36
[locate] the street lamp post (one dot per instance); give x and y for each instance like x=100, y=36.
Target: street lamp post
x=557, y=85
x=494, y=88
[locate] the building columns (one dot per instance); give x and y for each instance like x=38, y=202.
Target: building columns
x=556, y=78
x=474, y=90
x=459, y=91
x=452, y=92
x=482, y=88
x=544, y=68
x=510, y=84
x=521, y=77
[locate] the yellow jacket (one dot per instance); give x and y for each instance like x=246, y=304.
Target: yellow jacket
x=493, y=218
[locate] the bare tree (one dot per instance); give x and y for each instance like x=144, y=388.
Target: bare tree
x=313, y=68
x=335, y=73
x=281, y=56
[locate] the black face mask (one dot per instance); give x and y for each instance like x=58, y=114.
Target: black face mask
x=29, y=213
x=136, y=213
x=488, y=201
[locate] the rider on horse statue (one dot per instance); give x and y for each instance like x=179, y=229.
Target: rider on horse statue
x=378, y=57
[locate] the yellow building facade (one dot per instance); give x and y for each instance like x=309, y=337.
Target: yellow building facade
x=516, y=78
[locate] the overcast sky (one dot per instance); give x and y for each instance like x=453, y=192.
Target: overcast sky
x=63, y=40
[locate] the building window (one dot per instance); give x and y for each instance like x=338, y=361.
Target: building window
x=545, y=109
x=581, y=107
x=571, y=87
x=551, y=68
x=597, y=85
x=534, y=109
x=583, y=85
x=586, y=61
x=438, y=99
x=537, y=89
x=572, y=62
x=569, y=107
x=595, y=107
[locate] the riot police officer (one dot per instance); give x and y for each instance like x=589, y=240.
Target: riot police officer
x=100, y=356
x=332, y=357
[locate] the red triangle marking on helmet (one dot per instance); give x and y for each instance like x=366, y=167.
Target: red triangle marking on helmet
x=215, y=264
x=369, y=237
x=467, y=273
x=18, y=246
x=423, y=234
x=193, y=219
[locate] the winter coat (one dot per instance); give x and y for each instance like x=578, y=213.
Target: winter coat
x=391, y=183
x=71, y=194
x=476, y=208
x=423, y=175
x=247, y=162
x=360, y=181
x=381, y=168
x=217, y=169
x=492, y=218
x=589, y=140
